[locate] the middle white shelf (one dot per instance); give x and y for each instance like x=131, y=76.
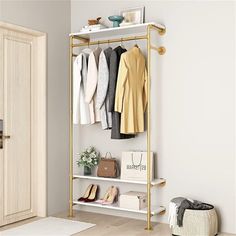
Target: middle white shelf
x=154, y=182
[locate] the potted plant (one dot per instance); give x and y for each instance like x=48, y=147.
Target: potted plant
x=88, y=159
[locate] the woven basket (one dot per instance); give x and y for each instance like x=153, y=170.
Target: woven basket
x=198, y=223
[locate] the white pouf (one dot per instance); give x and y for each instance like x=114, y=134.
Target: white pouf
x=198, y=223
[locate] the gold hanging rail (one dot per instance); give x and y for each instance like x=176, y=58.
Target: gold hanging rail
x=116, y=40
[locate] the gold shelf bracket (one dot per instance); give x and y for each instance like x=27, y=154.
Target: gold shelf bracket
x=161, y=31
x=162, y=212
x=85, y=40
x=161, y=50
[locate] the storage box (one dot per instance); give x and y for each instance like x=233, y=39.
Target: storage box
x=133, y=200
x=134, y=166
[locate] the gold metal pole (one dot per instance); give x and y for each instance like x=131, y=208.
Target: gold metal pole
x=71, y=129
x=149, y=226
x=111, y=41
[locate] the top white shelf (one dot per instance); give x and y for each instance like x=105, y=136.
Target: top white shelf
x=136, y=29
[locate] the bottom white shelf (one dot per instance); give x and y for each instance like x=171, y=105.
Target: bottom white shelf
x=155, y=209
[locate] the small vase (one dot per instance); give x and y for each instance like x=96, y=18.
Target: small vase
x=87, y=170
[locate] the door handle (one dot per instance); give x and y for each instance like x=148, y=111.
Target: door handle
x=2, y=138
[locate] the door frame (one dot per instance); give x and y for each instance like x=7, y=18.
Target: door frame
x=40, y=112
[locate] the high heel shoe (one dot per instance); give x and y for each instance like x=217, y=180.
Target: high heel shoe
x=106, y=196
x=112, y=196
x=93, y=194
x=87, y=193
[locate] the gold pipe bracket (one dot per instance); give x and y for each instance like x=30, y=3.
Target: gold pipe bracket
x=162, y=212
x=163, y=184
x=85, y=40
x=161, y=50
x=162, y=31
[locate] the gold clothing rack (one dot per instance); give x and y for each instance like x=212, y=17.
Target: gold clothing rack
x=161, y=50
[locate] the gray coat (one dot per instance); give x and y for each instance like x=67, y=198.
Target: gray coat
x=113, y=72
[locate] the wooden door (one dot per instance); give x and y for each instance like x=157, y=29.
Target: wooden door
x=17, y=185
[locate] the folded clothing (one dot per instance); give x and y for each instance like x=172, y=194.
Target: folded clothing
x=193, y=205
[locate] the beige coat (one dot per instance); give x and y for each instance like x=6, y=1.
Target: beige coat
x=91, y=86
x=131, y=91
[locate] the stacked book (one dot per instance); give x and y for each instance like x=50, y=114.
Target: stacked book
x=89, y=28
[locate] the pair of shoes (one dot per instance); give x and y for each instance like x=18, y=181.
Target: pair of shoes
x=110, y=196
x=90, y=194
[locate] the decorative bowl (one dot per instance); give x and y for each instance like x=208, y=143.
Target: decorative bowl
x=116, y=20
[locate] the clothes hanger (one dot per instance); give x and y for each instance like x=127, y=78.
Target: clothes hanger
x=121, y=43
x=108, y=43
x=98, y=44
x=136, y=44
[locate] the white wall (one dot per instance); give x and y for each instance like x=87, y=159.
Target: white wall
x=194, y=107
x=52, y=17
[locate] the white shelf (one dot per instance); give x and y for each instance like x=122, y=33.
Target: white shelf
x=155, y=210
x=118, y=180
x=112, y=32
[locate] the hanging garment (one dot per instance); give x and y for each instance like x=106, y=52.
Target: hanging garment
x=113, y=72
x=172, y=218
x=173, y=209
x=80, y=107
x=91, y=86
x=102, y=88
x=131, y=91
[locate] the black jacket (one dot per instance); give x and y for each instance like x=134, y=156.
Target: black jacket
x=113, y=73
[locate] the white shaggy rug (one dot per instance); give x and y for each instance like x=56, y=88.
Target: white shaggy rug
x=50, y=226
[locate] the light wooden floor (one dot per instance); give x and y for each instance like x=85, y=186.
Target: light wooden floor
x=111, y=226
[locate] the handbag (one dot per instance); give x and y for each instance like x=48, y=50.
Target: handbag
x=108, y=167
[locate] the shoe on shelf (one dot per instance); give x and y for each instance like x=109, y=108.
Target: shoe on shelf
x=93, y=194
x=106, y=196
x=87, y=193
x=112, y=196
